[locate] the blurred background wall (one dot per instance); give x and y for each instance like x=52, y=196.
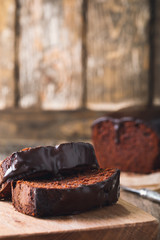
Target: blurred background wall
x=66, y=62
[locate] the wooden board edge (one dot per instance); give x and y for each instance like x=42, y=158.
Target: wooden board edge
x=141, y=230
x=147, y=231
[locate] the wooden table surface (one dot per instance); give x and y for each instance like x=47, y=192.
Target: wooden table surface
x=152, y=182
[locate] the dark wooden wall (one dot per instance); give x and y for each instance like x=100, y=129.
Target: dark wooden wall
x=66, y=62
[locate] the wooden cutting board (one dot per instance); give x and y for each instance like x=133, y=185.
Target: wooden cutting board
x=136, y=180
x=121, y=221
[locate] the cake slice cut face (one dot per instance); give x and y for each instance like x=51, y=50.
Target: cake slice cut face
x=41, y=162
x=69, y=195
x=127, y=144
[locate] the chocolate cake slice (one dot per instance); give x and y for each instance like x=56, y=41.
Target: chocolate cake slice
x=46, y=161
x=127, y=143
x=71, y=195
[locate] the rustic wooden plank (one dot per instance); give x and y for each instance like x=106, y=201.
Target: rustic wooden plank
x=50, y=54
x=150, y=181
x=120, y=221
x=144, y=204
x=22, y=128
x=7, y=16
x=136, y=180
x=157, y=54
x=84, y=51
x=118, y=53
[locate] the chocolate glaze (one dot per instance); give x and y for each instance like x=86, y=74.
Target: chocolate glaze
x=52, y=160
x=54, y=202
x=117, y=123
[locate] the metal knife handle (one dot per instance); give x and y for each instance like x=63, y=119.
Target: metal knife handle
x=145, y=193
x=149, y=194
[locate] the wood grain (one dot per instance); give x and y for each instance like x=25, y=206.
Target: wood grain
x=136, y=180
x=144, y=204
x=156, y=50
x=121, y=221
x=21, y=128
x=7, y=14
x=118, y=53
x=58, y=125
x=149, y=181
x=50, y=54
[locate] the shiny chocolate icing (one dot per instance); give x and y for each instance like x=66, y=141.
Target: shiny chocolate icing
x=52, y=160
x=117, y=123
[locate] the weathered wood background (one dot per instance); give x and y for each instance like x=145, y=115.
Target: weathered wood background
x=7, y=39
x=156, y=55
x=70, y=48
x=118, y=53
x=50, y=54
x=76, y=56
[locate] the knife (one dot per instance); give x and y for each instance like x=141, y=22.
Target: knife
x=144, y=193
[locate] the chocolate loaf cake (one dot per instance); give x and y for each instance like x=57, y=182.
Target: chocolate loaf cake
x=45, y=161
x=71, y=195
x=127, y=143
